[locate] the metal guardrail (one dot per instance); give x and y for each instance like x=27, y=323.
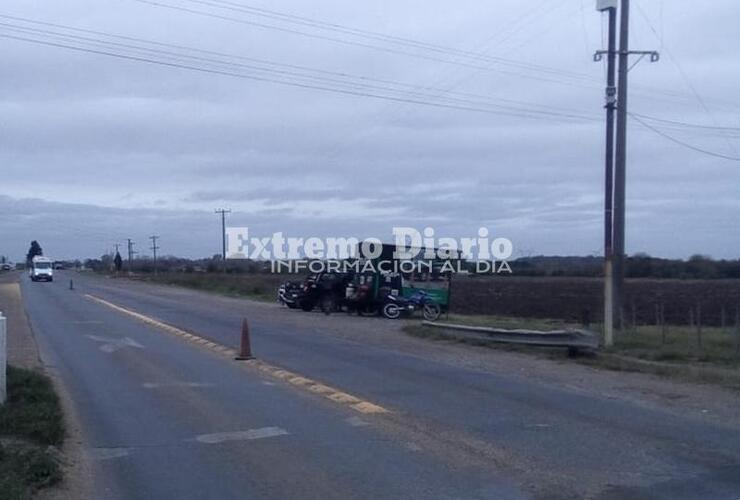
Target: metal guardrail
x=575, y=338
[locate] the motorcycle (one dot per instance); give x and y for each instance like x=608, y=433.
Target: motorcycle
x=396, y=306
x=289, y=293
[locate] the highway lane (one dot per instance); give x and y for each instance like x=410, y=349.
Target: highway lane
x=554, y=442
x=552, y=439
x=165, y=419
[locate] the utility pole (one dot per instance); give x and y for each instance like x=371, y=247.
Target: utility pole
x=223, y=213
x=611, y=99
x=620, y=162
x=616, y=164
x=131, y=253
x=154, y=248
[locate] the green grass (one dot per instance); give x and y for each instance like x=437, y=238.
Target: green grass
x=31, y=421
x=681, y=344
x=32, y=411
x=675, y=353
x=437, y=334
x=254, y=286
x=506, y=322
x=25, y=469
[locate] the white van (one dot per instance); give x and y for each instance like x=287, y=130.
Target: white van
x=41, y=269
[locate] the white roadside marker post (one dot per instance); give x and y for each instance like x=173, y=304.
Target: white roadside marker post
x=3, y=358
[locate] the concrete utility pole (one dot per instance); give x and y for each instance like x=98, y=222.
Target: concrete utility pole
x=611, y=99
x=620, y=171
x=616, y=164
x=154, y=248
x=223, y=213
x=131, y=253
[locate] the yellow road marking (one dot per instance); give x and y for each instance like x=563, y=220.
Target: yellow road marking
x=294, y=379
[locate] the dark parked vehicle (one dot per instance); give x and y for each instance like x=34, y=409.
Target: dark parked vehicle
x=326, y=290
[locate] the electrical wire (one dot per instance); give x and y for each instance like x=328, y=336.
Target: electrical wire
x=682, y=143
x=244, y=8
x=683, y=74
x=534, y=72
x=550, y=74
x=444, y=105
x=341, y=77
x=688, y=125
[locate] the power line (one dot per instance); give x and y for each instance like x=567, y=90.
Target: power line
x=443, y=84
x=686, y=124
x=406, y=43
x=552, y=73
x=683, y=74
x=521, y=113
x=342, y=78
x=415, y=97
x=304, y=68
x=335, y=27
x=682, y=143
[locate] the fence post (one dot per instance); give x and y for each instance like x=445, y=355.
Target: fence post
x=737, y=332
x=691, y=327
x=662, y=323
x=3, y=358
x=698, y=326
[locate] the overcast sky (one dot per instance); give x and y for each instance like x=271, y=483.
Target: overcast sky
x=96, y=149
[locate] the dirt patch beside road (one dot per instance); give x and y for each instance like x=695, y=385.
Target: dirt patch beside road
x=22, y=349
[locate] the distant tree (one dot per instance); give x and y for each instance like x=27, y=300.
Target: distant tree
x=701, y=266
x=34, y=251
x=118, y=262
x=106, y=261
x=3, y=259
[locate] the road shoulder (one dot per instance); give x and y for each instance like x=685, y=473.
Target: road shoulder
x=23, y=352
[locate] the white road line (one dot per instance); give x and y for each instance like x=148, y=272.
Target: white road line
x=413, y=446
x=220, y=437
x=157, y=385
x=107, y=453
x=357, y=422
x=111, y=345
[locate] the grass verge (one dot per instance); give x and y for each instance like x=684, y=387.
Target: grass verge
x=31, y=427
x=254, y=286
x=709, y=357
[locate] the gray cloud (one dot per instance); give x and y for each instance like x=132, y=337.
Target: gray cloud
x=94, y=149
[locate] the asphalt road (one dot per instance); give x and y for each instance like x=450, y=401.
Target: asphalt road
x=163, y=418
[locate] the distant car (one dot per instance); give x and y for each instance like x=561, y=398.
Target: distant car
x=41, y=269
x=6, y=267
